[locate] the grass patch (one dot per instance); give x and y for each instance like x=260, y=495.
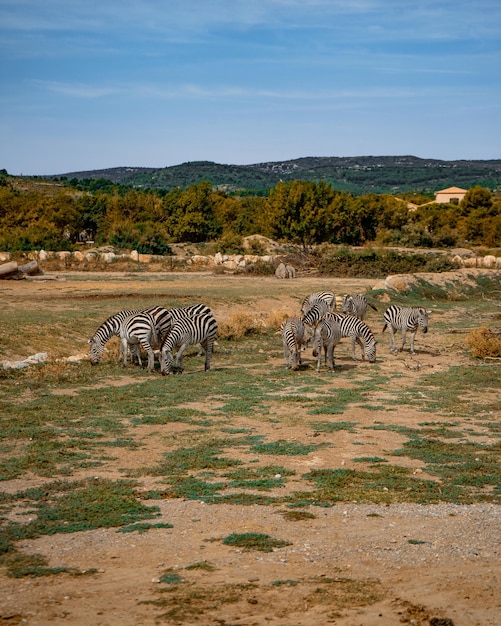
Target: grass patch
x=254, y=541
x=98, y=503
x=283, y=447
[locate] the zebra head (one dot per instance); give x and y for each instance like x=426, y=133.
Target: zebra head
x=348, y=306
x=315, y=314
x=370, y=350
x=96, y=350
x=317, y=340
x=166, y=359
x=422, y=319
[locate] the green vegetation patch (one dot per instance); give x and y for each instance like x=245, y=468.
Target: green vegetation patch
x=99, y=503
x=283, y=447
x=254, y=541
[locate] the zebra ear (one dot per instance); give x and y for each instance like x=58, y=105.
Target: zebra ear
x=89, y=340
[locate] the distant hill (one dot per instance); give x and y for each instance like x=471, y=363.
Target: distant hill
x=384, y=174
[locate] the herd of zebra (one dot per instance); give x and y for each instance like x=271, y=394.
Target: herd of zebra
x=171, y=330
x=161, y=328
x=321, y=325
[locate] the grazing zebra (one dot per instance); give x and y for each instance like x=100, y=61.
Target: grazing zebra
x=327, y=336
x=358, y=332
x=322, y=298
x=356, y=305
x=405, y=319
x=139, y=330
x=294, y=335
x=165, y=317
x=109, y=328
x=133, y=327
x=184, y=332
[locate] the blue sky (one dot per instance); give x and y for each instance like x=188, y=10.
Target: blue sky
x=90, y=85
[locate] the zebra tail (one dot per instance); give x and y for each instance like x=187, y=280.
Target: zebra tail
x=372, y=306
x=385, y=327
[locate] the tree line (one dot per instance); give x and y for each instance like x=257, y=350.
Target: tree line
x=300, y=212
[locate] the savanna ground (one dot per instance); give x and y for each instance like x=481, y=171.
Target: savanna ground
x=247, y=494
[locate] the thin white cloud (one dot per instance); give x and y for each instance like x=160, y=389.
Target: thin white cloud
x=76, y=90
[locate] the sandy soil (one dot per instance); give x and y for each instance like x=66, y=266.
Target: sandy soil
x=350, y=565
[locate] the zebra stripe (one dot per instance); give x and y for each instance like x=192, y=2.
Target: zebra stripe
x=139, y=330
x=318, y=298
x=358, y=332
x=108, y=329
x=184, y=332
x=405, y=319
x=165, y=317
x=356, y=305
x=294, y=336
x=327, y=336
x=119, y=325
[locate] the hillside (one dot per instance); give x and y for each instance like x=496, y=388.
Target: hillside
x=386, y=174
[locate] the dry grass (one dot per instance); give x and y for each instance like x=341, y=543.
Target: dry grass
x=242, y=324
x=484, y=343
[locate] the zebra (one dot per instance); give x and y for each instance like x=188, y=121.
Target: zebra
x=356, y=305
x=351, y=327
x=186, y=331
x=405, y=319
x=327, y=299
x=142, y=332
x=327, y=336
x=294, y=335
x=164, y=318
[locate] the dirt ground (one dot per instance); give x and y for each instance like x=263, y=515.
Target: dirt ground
x=351, y=564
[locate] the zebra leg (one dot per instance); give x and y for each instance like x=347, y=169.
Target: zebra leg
x=286, y=356
x=208, y=348
x=392, y=338
x=353, y=339
x=149, y=351
x=124, y=349
x=179, y=358
x=413, y=334
x=319, y=361
x=362, y=347
x=330, y=354
x=404, y=334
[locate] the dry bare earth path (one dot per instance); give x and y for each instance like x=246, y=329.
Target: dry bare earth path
x=351, y=564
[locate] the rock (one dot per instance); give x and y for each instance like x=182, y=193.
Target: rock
x=4, y=256
x=400, y=282
x=281, y=271
x=489, y=261
x=134, y=255
x=291, y=271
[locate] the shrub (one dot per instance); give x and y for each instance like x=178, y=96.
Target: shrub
x=484, y=343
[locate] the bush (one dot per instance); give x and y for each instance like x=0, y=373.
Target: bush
x=484, y=343
x=372, y=264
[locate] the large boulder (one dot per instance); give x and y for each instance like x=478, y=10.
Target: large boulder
x=281, y=271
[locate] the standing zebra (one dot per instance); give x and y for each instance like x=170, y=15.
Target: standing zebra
x=405, y=319
x=325, y=299
x=327, y=336
x=356, y=305
x=351, y=327
x=294, y=335
x=134, y=328
x=184, y=332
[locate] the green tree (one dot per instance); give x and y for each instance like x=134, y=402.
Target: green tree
x=190, y=215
